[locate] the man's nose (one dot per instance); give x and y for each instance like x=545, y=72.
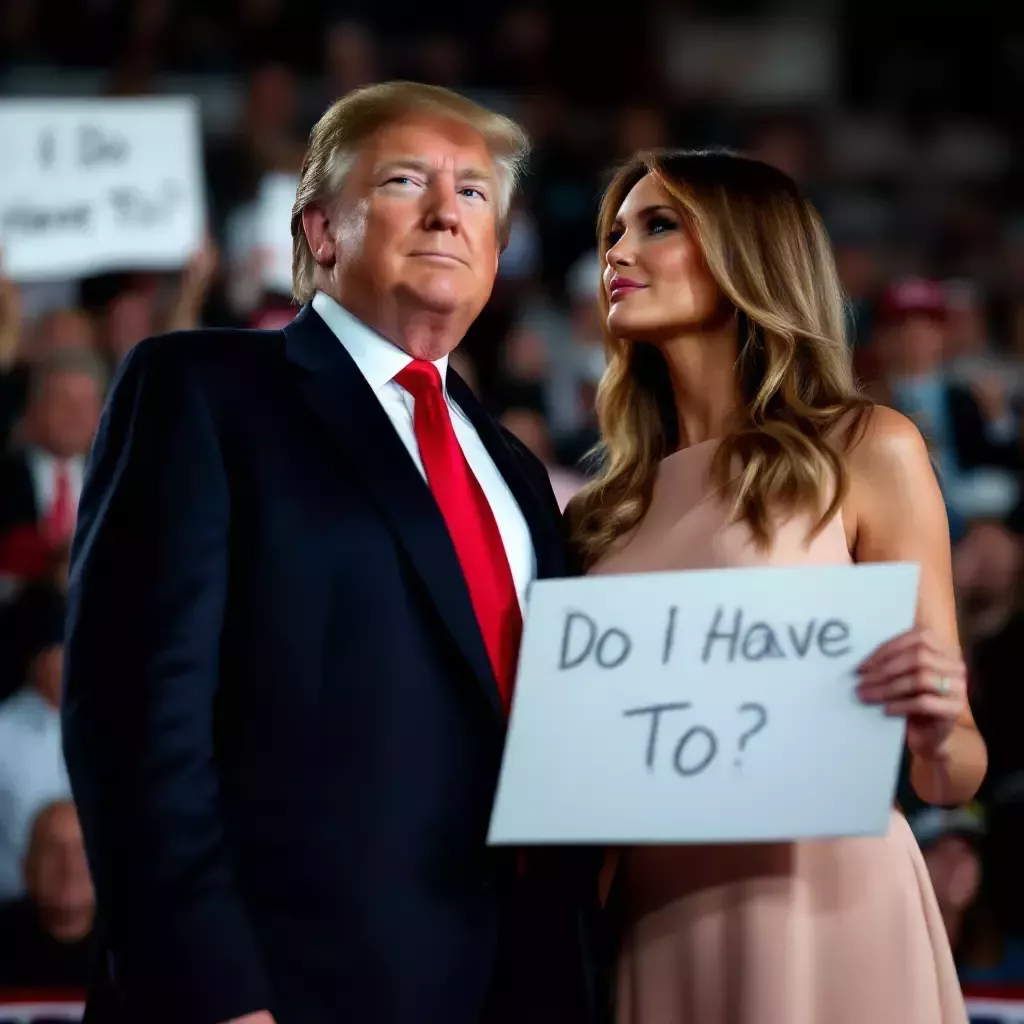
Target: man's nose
x=442, y=208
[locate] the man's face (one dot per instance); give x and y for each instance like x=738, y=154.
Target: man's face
x=921, y=344
x=65, y=413
x=415, y=226
x=955, y=870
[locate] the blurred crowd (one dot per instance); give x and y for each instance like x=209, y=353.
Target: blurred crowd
x=928, y=226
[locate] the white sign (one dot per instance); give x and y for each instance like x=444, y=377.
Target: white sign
x=88, y=186
x=273, y=230
x=16, y=1011
x=995, y=1011
x=710, y=706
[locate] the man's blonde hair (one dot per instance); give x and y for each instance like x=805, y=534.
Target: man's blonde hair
x=336, y=137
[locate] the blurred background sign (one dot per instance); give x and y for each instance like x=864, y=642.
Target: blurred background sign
x=754, y=62
x=273, y=230
x=102, y=184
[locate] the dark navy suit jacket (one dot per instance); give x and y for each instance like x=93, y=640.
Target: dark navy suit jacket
x=281, y=725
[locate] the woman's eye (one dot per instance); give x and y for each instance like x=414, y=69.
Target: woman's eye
x=612, y=237
x=659, y=224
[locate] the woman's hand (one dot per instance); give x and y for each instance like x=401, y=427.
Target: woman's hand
x=912, y=676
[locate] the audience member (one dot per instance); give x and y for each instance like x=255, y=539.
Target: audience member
x=40, y=482
x=950, y=842
x=46, y=938
x=949, y=354
x=32, y=771
x=973, y=433
x=531, y=427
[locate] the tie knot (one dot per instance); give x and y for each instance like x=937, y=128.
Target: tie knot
x=420, y=378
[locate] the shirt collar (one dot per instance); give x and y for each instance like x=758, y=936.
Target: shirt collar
x=48, y=462
x=377, y=358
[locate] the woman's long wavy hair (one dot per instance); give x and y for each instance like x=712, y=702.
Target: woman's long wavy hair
x=767, y=249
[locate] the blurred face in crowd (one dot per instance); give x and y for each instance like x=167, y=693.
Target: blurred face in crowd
x=655, y=274
x=641, y=128
x=415, y=228
x=47, y=672
x=129, y=320
x=272, y=100
x=56, y=872
x=64, y=413
x=351, y=56
x=955, y=871
x=917, y=345
x=857, y=269
x=987, y=567
x=64, y=328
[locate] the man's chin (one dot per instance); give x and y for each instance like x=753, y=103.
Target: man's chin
x=440, y=297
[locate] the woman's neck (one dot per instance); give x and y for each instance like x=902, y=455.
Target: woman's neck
x=702, y=368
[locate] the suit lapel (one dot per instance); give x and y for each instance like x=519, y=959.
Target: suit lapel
x=331, y=385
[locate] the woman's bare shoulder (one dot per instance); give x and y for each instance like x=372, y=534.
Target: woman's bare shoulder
x=891, y=476
x=881, y=441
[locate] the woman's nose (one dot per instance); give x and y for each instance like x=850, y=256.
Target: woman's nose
x=621, y=254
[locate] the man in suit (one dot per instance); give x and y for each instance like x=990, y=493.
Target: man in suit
x=295, y=605
x=40, y=481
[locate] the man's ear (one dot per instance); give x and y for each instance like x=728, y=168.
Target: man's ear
x=318, y=236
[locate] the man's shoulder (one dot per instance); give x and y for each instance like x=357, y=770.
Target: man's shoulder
x=207, y=347
x=219, y=362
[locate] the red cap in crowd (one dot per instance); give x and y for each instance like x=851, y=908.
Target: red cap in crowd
x=910, y=296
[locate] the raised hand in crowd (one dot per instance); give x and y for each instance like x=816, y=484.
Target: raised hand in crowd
x=196, y=279
x=10, y=320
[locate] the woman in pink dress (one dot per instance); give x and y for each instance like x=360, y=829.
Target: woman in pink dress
x=734, y=436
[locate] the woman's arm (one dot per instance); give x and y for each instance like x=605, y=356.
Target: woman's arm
x=898, y=515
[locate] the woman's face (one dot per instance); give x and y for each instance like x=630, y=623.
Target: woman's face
x=655, y=276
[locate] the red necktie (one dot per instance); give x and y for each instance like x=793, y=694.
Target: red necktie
x=470, y=521
x=60, y=519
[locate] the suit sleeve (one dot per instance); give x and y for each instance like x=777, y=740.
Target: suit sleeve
x=146, y=601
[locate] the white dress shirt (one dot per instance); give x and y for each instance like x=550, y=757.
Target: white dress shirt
x=32, y=775
x=43, y=469
x=379, y=361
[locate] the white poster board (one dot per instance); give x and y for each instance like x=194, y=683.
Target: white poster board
x=40, y=1011
x=710, y=706
x=88, y=186
x=273, y=230
x=995, y=1010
